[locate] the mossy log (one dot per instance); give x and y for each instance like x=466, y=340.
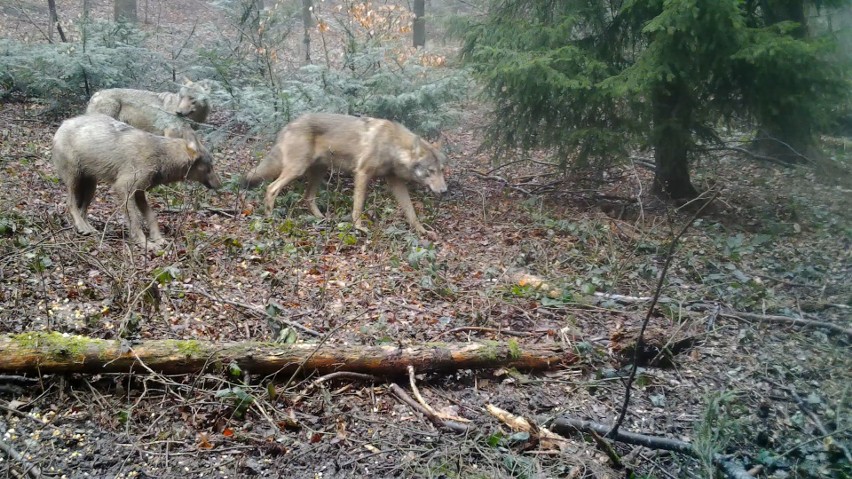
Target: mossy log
x=58, y=353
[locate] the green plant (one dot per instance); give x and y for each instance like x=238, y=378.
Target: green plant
x=716, y=429
x=240, y=399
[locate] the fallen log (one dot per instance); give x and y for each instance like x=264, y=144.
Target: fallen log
x=59, y=353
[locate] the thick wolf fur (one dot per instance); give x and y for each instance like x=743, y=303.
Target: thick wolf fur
x=151, y=111
x=361, y=146
x=95, y=148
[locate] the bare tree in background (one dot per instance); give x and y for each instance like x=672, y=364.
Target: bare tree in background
x=419, y=30
x=125, y=10
x=307, y=20
x=54, y=22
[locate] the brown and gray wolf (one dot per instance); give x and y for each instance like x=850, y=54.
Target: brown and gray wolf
x=95, y=148
x=361, y=146
x=151, y=111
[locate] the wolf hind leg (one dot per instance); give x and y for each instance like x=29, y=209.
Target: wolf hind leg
x=81, y=191
x=359, y=197
x=288, y=174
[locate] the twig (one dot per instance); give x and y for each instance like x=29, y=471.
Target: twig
x=788, y=283
x=657, y=293
x=404, y=397
x=768, y=159
x=502, y=180
x=256, y=310
x=817, y=422
x=812, y=440
x=622, y=298
x=525, y=160
x=349, y=375
x=412, y=382
x=566, y=425
x=546, y=437
x=607, y=448
x=319, y=345
x=483, y=329
x=810, y=323
x=30, y=469
x=14, y=378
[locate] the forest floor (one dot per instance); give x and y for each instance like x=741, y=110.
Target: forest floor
x=774, y=396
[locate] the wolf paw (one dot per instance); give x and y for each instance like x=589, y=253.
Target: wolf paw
x=86, y=229
x=155, y=245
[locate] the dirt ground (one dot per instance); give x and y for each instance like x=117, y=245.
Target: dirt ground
x=772, y=396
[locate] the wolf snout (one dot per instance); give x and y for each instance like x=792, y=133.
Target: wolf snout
x=438, y=185
x=212, y=182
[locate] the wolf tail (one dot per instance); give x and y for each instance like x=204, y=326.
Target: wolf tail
x=269, y=168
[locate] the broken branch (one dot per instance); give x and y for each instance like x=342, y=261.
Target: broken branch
x=36, y=353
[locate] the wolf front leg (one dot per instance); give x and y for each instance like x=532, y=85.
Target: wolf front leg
x=400, y=192
x=315, y=176
x=126, y=195
x=154, y=235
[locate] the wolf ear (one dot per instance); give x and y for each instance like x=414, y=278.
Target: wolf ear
x=187, y=81
x=192, y=149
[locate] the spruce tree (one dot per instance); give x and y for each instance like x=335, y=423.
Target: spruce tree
x=591, y=80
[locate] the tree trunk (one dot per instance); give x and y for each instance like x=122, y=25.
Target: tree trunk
x=54, y=22
x=125, y=10
x=776, y=11
x=308, y=21
x=783, y=136
x=35, y=353
x=672, y=140
x=419, y=28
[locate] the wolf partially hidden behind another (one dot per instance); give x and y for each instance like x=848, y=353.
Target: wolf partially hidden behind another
x=154, y=112
x=362, y=146
x=95, y=148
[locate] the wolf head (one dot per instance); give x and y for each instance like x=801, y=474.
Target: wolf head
x=193, y=98
x=201, y=168
x=428, y=167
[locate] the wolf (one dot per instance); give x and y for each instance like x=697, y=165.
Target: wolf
x=361, y=146
x=95, y=148
x=154, y=112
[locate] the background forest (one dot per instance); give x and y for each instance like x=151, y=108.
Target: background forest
x=658, y=190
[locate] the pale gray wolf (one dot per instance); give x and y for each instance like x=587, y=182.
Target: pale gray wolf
x=96, y=148
x=361, y=146
x=154, y=112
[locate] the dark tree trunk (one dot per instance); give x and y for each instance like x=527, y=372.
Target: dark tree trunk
x=776, y=11
x=419, y=29
x=783, y=136
x=125, y=10
x=54, y=21
x=308, y=21
x=672, y=140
